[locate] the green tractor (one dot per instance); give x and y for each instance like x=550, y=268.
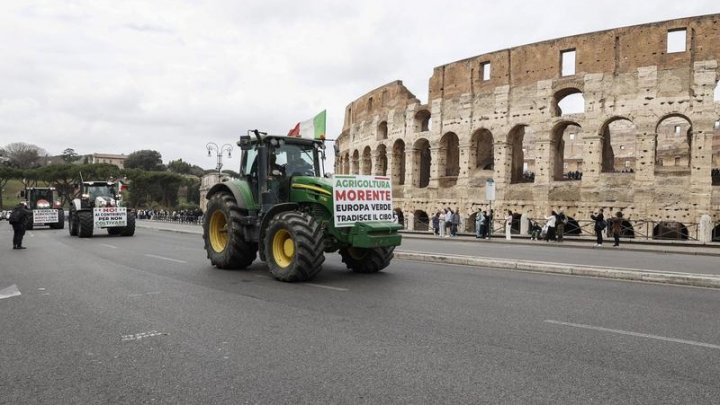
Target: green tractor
x=283, y=208
x=46, y=207
x=97, y=205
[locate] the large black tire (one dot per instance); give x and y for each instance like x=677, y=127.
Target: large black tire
x=129, y=229
x=222, y=232
x=294, y=246
x=60, y=224
x=85, y=219
x=367, y=260
x=73, y=224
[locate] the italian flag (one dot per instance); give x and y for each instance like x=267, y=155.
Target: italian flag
x=313, y=128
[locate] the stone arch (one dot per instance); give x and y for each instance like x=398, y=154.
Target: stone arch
x=366, y=163
x=565, y=150
x=569, y=100
x=422, y=121
x=572, y=227
x=422, y=221
x=517, y=146
x=618, y=137
x=401, y=216
x=355, y=169
x=382, y=131
x=716, y=234
x=481, y=150
x=398, y=162
x=381, y=160
x=422, y=158
x=673, y=142
x=670, y=230
x=715, y=159
x=449, y=159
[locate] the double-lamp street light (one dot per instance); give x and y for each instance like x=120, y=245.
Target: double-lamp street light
x=212, y=146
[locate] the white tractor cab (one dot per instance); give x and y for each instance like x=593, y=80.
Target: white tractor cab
x=97, y=204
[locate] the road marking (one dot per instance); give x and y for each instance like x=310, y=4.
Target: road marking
x=166, y=258
x=106, y=245
x=8, y=292
x=138, y=336
x=636, y=334
x=327, y=287
x=144, y=294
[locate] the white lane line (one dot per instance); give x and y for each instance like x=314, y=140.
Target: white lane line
x=327, y=287
x=106, y=245
x=144, y=294
x=8, y=292
x=636, y=334
x=166, y=258
x=138, y=336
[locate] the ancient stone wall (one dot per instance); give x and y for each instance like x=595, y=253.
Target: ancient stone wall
x=625, y=119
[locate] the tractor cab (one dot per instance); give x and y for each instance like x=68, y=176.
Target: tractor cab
x=272, y=163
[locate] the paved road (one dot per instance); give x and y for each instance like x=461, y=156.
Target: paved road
x=147, y=320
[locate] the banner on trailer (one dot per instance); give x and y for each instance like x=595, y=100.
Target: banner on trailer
x=361, y=199
x=110, y=216
x=45, y=216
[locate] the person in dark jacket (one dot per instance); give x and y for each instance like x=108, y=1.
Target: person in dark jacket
x=616, y=227
x=18, y=219
x=600, y=224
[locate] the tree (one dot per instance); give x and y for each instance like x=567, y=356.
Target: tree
x=179, y=167
x=148, y=187
x=7, y=174
x=23, y=155
x=149, y=160
x=69, y=155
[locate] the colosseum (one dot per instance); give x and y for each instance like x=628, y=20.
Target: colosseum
x=624, y=119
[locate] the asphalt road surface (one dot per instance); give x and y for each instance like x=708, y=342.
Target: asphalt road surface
x=146, y=319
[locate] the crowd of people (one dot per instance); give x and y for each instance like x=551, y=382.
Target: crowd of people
x=182, y=216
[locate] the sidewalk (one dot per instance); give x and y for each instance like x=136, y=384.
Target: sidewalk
x=687, y=277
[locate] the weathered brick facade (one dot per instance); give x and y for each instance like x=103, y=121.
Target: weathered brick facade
x=646, y=138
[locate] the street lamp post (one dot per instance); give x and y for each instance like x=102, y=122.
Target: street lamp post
x=212, y=146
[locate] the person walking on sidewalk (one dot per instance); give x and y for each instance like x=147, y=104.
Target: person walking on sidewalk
x=18, y=219
x=551, y=221
x=616, y=227
x=508, y=224
x=488, y=223
x=600, y=225
x=448, y=222
x=479, y=224
x=436, y=223
x=560, y=225
x=455, y=222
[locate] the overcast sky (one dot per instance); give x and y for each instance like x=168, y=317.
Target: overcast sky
x=120, y=76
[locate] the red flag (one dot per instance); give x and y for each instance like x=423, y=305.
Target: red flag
x=295, y=131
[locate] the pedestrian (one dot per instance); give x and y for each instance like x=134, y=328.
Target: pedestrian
x=616, y=227
x=436, y=223
x=455, y=222
x=479, y=225
x=560, y=225
x=551, y=221
x=508, y=224
x=448, y=222
x=18, y=219
x=488, y=223
x=441, y=222
x=600, y=225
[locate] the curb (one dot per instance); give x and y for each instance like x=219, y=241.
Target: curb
x=685, y=279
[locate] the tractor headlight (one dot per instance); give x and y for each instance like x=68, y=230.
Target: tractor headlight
x=85, y=196
x=43, y=204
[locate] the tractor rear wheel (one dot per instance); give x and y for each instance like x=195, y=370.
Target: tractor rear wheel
x=60, y=224
x=367, y=260
x=85, y=219
x=129, y=229
x=294, y=246
x=222, y=232
x=73, y=224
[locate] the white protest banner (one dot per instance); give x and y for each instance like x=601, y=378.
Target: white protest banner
x=361, y=199
x=45, y=216
x=110, y=216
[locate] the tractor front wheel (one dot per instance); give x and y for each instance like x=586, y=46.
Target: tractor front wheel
x=294, y=246
x=129, y=229
x=224, y=240
x=73, y=224
x=85, y=219
x=367, y=260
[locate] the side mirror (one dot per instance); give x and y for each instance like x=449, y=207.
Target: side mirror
x=22, y=193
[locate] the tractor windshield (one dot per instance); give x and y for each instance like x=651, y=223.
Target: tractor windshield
x=298, y=160
x=100, y=191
